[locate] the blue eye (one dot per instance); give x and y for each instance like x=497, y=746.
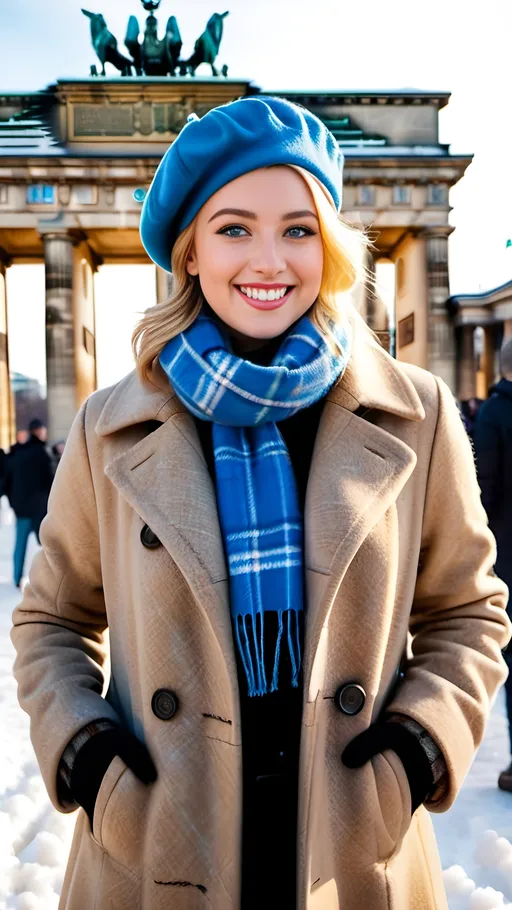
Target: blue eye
x=233, y=230
x=300, y=232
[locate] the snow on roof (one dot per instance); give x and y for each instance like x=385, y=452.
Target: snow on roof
x=483, y=295
x=370, y=93
x=393, y=151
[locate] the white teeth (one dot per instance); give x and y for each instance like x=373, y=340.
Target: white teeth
x=261, y=294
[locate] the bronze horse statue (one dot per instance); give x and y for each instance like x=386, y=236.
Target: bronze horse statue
x=207, y=46
x=105, y=45
x=153, y=56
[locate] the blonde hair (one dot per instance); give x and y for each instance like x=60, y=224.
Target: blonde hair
x=345, y=249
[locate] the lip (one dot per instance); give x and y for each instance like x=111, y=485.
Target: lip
x=264, y=287
x=266, y=304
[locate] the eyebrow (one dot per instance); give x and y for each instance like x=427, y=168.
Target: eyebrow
x=302, y=213
x=243, y=213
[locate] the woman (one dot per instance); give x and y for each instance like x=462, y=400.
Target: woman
x=295, y=676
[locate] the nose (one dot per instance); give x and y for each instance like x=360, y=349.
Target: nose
x=268, y=259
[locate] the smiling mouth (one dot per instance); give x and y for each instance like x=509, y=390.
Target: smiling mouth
x=258, y=295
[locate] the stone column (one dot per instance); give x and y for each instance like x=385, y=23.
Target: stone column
x=373, y=307
x=441, y=332
x=7, y=414
x=467, y=366
x=487, y=362
x=368, y=302
x=411, y=300
x=84, y=321
x=60, y=347
x=163, y=284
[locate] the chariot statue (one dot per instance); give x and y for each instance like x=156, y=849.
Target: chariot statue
x=151, y=55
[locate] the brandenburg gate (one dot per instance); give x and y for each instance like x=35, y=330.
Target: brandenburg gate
x=76, y=158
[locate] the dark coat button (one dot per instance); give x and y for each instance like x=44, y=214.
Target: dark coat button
x=350, y=698
x=164, y=704
x=149, y=538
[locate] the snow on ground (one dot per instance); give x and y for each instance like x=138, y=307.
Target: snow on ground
x=34, y=838
x=474, y=837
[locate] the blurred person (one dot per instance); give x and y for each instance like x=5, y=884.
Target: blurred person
x=493, y=449
x=469, y=410
x=294, y=680
x=28, y=481
x=57, y=452
x=21, y=438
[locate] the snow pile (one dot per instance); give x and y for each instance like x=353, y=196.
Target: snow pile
x=494, y=855
x=462, y=891
x=459, y=887
x=34, y=838
x=34, y=845
x=487, y=899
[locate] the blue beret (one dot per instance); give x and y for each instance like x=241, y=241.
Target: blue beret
x=227, y=142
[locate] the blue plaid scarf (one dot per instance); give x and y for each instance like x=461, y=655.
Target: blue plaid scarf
x=259, y=512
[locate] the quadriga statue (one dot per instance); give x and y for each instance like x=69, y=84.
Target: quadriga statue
x=154, y=56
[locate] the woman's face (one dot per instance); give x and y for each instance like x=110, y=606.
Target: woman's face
x=258, y=252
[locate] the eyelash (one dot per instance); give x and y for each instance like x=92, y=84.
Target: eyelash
x=295, y=227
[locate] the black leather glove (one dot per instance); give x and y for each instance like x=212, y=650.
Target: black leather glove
x=94, y=757
x=382, y=735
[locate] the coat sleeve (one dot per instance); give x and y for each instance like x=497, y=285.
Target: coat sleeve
x=458, y=621
x=488, y=443
x=59, y=627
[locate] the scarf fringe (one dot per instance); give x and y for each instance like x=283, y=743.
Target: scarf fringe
x=251, y=650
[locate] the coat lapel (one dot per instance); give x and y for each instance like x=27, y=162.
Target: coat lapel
x=165, y=479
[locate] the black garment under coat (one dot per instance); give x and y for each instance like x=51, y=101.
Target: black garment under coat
x=28, y=479
x=493, y=448
x=271, y=723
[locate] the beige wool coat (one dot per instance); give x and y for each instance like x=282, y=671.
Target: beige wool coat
x=398, y=556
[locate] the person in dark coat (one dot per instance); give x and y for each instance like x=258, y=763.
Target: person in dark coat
x=57, y=453
x=22, y=437
x=469, y=412
x=493, y=448
x=28, y=479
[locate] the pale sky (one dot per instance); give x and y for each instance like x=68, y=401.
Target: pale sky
x=451, y=45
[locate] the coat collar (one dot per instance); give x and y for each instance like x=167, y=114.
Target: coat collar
x=372, y=379
x=355, y=476
x=132, y=402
